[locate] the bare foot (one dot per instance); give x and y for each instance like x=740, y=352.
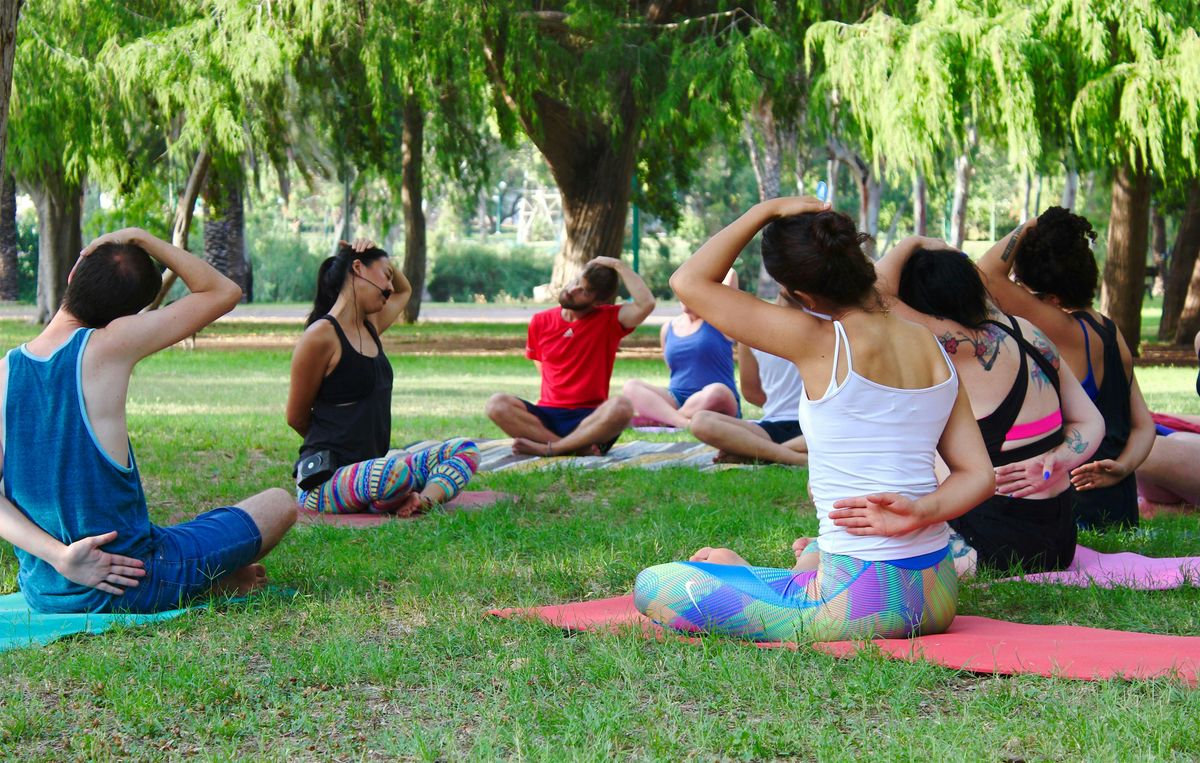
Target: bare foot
x=718, y=556
x=241, y=581
x=590, y=450
x=525, y=447
x=412, y=505
x=805, y=561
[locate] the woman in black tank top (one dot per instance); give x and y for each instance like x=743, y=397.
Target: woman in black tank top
x=1036, y=420
x=340, y=398
x=1053, y=259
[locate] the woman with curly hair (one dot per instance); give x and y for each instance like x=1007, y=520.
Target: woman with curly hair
x=1057, y=276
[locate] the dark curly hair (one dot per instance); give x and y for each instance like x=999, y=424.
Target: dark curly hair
x=603, y=282
x=820, y=253
x=1056, y=258
x=944, y=283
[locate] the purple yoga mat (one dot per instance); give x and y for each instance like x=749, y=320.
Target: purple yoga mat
x=1123, y=570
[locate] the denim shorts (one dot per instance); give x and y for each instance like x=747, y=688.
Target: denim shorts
x=188, y=557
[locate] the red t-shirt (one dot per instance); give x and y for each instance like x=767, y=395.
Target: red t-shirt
x=576, y=356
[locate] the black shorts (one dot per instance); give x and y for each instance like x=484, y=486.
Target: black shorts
x=564, y=421
x=780, y=431
x=1019, y=534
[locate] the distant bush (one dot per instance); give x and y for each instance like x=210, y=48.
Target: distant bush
x=285, y=268
x=462, y=271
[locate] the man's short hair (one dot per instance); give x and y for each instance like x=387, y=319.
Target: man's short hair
x=602, y=281
x=114, y=281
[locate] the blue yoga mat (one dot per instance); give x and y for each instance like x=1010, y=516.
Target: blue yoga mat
x=22, y=626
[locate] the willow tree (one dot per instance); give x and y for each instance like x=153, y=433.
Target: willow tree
x=608, y=88
x=211, y=77
x=916, y=92
x=1136, y=112
x=400, y=86
x=54, y=118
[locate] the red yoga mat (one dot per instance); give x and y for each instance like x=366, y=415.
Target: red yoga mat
x=468, y=500
x=977, y=644
x=1176, y=423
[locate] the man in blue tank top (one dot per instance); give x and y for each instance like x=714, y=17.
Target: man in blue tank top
x=68, y=466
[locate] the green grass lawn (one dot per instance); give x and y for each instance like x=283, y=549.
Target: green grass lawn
x=385, y=653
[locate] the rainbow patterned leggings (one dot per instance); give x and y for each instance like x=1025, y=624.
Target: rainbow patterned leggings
x=844, y=598
x=381, y=485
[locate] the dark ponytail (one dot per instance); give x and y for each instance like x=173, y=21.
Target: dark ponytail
x=333, y=273
x=821, y=254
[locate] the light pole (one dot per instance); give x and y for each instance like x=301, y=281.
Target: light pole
x=499, y=198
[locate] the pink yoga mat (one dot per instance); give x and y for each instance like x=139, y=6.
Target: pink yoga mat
x=977, y=644
x=468, y=500
x=1123, y=570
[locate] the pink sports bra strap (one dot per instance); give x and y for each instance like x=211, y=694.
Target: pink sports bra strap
x=1035, y=428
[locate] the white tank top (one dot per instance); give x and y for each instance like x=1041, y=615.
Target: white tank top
x=781, y=384
x=863, y=438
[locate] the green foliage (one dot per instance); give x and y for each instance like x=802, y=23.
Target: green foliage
x=462, y=272
x=285, y=267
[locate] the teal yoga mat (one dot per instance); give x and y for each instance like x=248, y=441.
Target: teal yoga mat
x=21, y=626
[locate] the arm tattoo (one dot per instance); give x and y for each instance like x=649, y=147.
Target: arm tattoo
x=987, y=345
x=1075, y=441
x=1043, y=345
x=1012, y=243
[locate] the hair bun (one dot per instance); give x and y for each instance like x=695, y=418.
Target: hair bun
x=835, y=232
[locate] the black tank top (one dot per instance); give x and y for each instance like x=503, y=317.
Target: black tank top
x=1116, y=505
x=996, y=424
x=352, y=415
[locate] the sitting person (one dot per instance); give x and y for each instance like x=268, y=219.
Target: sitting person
x=1053, y=259
x=881, y=399
x=340, y=399
x=774, y=384
x=1037, y=422
x=700, y=360
x=574, y=347
x=68, y=462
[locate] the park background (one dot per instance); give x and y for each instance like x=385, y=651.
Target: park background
x=496, y=146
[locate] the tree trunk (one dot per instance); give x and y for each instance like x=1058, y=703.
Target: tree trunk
x=59, y=206
x=225, y=228
x=411, y=200
x=9, y=287
x=766, y=156
x=1158, y=250
x=9, y=12
x=1070, y=190
x=1180, y=273
x=182, y=227
x=1028, y=203
x=345, y=227
x=1125, y=268
x=920, y=206
x=833, y=168
x=962, y=191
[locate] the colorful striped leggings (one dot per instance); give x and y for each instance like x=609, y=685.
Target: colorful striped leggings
x=844, y=598
x=382, y=485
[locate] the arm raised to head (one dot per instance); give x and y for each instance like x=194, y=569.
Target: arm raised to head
x=741, y=316
x=133, y=337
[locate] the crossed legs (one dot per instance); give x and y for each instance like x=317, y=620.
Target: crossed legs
x=658, y=403
x=743, y=439
x=531, y=437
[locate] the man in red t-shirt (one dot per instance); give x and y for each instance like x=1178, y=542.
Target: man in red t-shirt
x=573, y=347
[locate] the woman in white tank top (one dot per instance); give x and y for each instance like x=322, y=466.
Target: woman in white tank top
x=880, y=398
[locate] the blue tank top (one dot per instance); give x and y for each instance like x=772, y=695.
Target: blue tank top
x=57, y=473
x=701, y=358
